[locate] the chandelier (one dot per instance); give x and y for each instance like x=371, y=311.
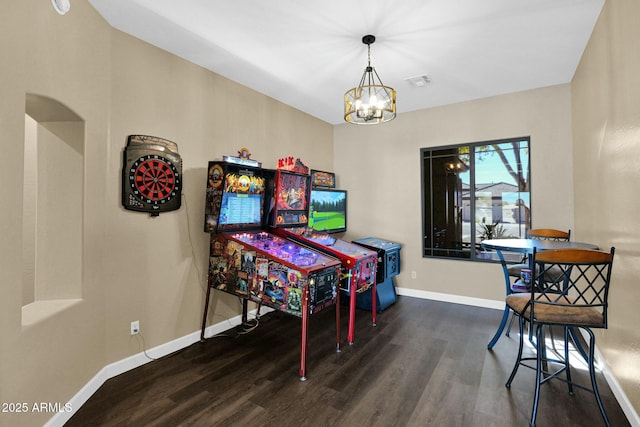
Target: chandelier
x=371, y=102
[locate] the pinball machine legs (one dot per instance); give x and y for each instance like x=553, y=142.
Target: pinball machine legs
x=206, y=311
x=352, y=308
x=305, y=324
x=353, y=281
x=338, y=350
x=245, y=312
x=303, y=340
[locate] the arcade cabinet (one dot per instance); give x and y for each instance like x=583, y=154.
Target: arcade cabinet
x=388, y=268
x=247, y=261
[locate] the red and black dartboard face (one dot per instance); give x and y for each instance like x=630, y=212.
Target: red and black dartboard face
x=154, y=179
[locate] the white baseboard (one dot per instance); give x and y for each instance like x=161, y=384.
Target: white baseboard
x=456, y=299
x=132, y=362
x=614, y=385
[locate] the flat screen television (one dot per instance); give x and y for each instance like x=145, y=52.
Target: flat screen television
x=328, y=210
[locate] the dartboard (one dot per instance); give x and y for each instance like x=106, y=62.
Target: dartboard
x=154, y=179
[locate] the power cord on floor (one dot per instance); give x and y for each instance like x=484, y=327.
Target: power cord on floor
x=247, y=327
x=241, y=329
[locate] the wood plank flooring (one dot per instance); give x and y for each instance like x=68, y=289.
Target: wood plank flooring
x=425, y=364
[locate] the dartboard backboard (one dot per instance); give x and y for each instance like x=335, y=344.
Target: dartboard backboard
x=151, y=175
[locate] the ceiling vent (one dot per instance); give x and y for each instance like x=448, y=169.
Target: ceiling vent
x=419, y=81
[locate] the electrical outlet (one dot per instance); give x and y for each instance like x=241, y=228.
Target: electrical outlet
x=413, y=275
x=135, y=327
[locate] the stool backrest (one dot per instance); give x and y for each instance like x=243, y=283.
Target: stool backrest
x=549, y=234
x=579, y=285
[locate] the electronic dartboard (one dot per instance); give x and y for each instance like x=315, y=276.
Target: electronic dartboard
x=151, y=175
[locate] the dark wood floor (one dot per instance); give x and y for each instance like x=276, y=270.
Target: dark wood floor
x=425, y=364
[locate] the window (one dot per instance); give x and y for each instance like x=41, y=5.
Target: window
x=473, y=192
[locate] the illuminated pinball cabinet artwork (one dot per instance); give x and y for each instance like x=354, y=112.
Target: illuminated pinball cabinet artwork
x=255, y=265
x=290, y=220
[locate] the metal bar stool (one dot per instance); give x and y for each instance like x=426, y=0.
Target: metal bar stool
x=575, y=300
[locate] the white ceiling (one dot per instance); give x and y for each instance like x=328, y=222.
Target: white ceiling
x=308, y=53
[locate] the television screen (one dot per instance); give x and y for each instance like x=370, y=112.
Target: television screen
x=328, y=210
x=242, y=201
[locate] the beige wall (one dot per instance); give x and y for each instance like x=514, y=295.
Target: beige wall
x=152, y=269
x=160, y=277
x=380, y=167
x=134, y=267
x=68, y=60
x=606, y=134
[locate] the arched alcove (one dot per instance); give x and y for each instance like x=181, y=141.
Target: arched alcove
x=53, y=199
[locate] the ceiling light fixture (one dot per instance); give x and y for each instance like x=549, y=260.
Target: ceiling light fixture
x=61, y=6
x=371, y=102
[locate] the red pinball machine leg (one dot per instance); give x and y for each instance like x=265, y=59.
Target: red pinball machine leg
x=338, y=322
x=353, y=279
x=374, y=297
x=303, y=343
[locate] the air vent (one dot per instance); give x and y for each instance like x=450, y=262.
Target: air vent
x=419, y=81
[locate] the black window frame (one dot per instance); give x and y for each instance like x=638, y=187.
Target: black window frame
x=449, y=158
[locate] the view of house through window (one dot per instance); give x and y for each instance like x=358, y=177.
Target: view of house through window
x=474, y=192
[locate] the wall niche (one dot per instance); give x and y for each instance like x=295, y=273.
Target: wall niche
x=53, y=214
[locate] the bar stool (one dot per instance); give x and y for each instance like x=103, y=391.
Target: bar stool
x=575, y=300
x=515, y=270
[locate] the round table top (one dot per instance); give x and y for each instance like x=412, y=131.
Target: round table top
x=527, y=245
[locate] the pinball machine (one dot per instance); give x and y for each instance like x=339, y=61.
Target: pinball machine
x=290, y=220
x=249, y=262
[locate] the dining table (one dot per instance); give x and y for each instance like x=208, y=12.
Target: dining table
x=524, y=247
